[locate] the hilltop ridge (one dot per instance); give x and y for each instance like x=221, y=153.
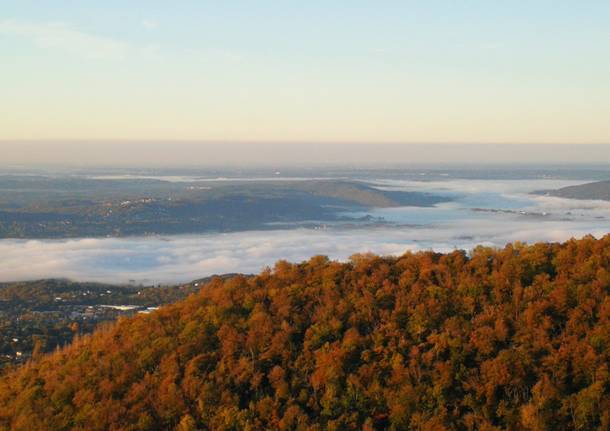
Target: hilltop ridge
x=516, y=338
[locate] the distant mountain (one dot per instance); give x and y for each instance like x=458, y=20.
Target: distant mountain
x=515, y=339
x=598, y=190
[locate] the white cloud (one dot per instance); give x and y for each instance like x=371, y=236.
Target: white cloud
x=60, y=36
x=184, y=258
x=150, y=24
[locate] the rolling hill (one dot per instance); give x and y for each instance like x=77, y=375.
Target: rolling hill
x=41, y=207
x=599, y=190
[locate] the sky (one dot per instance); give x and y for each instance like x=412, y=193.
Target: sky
x=294, y=71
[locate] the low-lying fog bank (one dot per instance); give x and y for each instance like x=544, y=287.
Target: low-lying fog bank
x=486, y=212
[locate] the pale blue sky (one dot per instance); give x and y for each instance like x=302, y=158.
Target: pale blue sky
x=364, y=71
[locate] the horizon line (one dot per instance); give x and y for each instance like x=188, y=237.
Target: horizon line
x=278, y=141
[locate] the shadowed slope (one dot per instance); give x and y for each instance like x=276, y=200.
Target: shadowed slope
x=599, y=190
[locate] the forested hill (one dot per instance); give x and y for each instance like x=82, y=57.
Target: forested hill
x=517, y=338
x=599, y=190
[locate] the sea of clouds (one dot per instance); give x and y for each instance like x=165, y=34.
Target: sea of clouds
x=170, y=259
x=183, y=258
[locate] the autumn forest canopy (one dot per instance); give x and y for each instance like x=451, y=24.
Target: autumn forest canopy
x=513, y=338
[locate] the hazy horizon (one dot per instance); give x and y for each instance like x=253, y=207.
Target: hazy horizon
x=177, y=154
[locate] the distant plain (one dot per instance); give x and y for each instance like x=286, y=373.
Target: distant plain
x=165, y=226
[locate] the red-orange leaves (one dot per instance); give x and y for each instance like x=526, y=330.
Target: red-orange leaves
x=513, y=339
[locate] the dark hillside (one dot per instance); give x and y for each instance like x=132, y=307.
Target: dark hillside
x=599, y=190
